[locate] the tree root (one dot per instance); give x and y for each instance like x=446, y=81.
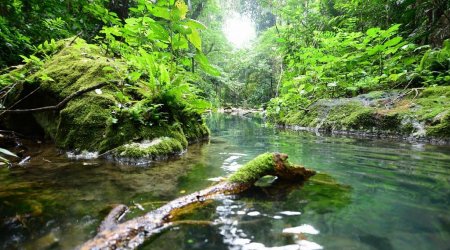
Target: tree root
x=133, y=233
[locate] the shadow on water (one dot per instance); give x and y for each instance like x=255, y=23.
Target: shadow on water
x=369, y=194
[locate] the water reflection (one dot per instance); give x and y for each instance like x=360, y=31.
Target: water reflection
x=376, y=194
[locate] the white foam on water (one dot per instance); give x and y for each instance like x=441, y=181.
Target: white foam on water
x=290, y=213
x=305, y=228
x=85, y=155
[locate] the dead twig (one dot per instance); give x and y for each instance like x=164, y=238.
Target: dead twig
x=60, y=104
x=402, y=95
x=19, y=101
x=75, y=38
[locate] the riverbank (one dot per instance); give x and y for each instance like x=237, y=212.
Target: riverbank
x=240, y=111
x=80, y=99
x=414, y=114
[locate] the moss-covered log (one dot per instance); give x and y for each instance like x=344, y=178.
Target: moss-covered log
x=132, y=233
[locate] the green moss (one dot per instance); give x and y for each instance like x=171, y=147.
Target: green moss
x=297, y=118
x=432, y=102
x=255, y=169
x=92, y=121
x=78, y=66
x=437, y=91
x=159, y=147
x=442, y=127
x=274, y=164
x=195, y=130
x=362, y=118
x=82, y=124
x=351, y=115
x=402, y=116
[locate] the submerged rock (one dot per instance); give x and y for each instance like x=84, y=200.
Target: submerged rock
x=143, y=153
x=95, y=121
x=421, y=114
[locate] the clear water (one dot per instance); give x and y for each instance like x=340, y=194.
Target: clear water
x=369, y=194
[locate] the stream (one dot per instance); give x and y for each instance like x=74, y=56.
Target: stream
x=369, y=194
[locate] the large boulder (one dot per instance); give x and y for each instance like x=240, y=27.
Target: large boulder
x=95, y=120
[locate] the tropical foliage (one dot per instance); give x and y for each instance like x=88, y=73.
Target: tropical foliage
x=158, y=42
x=305, y=50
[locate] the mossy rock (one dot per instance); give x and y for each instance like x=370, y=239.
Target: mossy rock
x=93, y=121
x=146, y=151
x=421, y=114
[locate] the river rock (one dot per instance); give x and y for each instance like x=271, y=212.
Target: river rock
x=421, y=115
x=95, y=121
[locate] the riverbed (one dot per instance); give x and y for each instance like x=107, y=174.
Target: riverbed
x=368, y=194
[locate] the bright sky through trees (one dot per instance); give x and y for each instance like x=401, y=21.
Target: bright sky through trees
x=239, y=30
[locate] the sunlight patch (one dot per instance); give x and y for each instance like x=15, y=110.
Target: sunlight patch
x=239, y=30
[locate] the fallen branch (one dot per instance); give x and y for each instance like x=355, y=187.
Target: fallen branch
x=24, y=98
x=131, y=234
x=113, y=217
x=402, y=95
x=73, y=40
x=60, y=105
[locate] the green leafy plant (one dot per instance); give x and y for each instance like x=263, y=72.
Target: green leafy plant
x=5, y=153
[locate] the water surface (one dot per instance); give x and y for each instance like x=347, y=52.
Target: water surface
x=369, y=194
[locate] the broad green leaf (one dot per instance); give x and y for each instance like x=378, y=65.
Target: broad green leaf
x=180, y=42
x=164, y=74
x=182, y=28
x=161, y=12
x=195, y=24
x=205, y=65
x=7, y=152
x=374, y=50
x=134, y=76
x=393, y=41
x=159, y=32
x=195, y=39
x=393, y=28
x=373, y=32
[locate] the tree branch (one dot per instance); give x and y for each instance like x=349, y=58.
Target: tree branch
x=59, y=105
x=132, y=233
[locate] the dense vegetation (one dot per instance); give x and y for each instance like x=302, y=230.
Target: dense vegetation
x=173, y=54
x=139, y=59
x=345, y=48
x=318, y=49
x=129, y=81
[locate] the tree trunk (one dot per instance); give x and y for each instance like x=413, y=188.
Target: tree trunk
x=120, y=7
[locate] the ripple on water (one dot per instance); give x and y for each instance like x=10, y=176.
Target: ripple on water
x=376, y=194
